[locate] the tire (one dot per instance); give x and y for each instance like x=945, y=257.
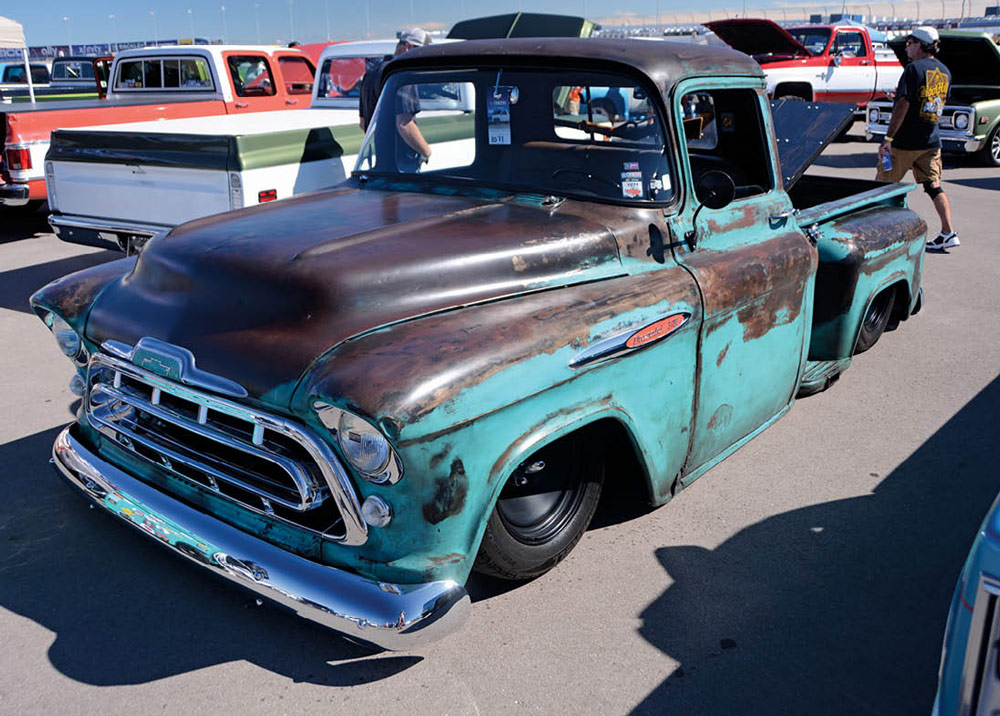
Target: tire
x=875, y=321
x=539, y=517
x=990, y=154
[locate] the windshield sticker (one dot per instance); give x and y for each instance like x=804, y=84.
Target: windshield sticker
x=498, y=115
x=728, y=120
x=632, y=185
x=631, y=166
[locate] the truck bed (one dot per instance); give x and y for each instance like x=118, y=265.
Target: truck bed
x=156, y=175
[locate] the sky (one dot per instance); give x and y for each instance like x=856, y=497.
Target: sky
x=61, y=22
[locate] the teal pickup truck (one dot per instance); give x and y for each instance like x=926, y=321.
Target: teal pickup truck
x=359, y=395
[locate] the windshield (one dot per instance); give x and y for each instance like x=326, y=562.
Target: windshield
x=815, y=39
x=567, y=133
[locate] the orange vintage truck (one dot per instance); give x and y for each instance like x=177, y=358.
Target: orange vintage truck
x=153, y=83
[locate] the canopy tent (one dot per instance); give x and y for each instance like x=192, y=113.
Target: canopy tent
x=12, y=35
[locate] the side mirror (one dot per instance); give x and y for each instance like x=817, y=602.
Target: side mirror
x=638, y=93
x=836, y=60
x=715, y=189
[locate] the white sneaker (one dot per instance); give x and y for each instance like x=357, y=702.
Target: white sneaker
x=943, y=241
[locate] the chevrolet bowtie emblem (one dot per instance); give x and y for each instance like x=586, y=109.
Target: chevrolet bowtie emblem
x=174, y=363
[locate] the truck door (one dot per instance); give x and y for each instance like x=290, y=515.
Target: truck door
x=297, y=74
x=753, y=266
x=853, y=79
x=254, y=85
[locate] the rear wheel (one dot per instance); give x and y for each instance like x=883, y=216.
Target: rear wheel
x=543, y=510
x=875, y=321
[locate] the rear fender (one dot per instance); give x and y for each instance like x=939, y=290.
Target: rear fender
x=861, y=254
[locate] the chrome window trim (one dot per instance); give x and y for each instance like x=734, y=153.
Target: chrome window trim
x=341, y=491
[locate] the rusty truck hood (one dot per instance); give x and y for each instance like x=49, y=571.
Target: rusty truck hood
x=260, y=294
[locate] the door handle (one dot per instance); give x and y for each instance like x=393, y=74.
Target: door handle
x=290, y=102
x=242, y=105
x=865, y=62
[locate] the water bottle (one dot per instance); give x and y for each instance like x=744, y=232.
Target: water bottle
x=887, y=162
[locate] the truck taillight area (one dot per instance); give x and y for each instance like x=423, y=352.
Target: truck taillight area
x=18, y=159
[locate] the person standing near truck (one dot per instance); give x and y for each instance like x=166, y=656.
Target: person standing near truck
x=912, y=140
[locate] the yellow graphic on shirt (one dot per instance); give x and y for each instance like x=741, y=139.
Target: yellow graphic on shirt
x=932, y=95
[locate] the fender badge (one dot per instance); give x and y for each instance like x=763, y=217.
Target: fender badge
x=655, y=331
x=631, y=341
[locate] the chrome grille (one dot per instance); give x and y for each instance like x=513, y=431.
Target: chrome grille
x=265, y=463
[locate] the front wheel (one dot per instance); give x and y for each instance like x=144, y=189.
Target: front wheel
x=990, y=154
x=543, y=510
x=875, y=321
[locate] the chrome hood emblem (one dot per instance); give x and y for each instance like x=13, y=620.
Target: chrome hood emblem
x=173, y=363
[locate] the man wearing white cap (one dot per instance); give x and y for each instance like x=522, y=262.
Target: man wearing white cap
x=912, y=140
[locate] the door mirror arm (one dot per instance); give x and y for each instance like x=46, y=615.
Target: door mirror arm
x=716, y=190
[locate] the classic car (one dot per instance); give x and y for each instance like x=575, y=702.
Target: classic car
x=367, y=392
x=150, y=84
x=970, y=120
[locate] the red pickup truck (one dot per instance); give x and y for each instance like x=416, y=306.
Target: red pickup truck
x=153, y=83
x=822, y=63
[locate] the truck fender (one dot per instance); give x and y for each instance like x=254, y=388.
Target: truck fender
x=611, y=424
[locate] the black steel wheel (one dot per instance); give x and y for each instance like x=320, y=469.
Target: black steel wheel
x=543, y=510
x=875, y=321
x=990, y=154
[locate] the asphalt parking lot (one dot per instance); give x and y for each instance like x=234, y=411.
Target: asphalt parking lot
x=810, y=573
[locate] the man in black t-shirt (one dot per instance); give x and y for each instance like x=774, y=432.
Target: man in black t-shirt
x=912, y=140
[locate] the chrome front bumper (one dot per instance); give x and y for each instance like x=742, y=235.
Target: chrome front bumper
x=392, y=616
x=958, y=143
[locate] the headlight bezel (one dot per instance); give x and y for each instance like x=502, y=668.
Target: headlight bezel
x=874, y=115
x=389, y=472
x=966, y=121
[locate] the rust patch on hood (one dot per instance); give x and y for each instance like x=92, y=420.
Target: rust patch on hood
x=449, y=494
x=258, y=295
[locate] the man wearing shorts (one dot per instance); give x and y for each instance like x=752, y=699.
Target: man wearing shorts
x=912, y=140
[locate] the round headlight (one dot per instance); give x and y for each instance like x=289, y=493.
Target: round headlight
x=873, y=115
x=364, y=446
x=68, y=339
x=961, y=121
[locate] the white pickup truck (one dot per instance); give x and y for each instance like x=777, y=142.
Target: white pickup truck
x=121, y=185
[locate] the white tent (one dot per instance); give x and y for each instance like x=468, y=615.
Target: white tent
x=12, y=35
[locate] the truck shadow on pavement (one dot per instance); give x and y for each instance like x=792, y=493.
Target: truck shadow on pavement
x=22, y=224
x=122, y=611
x=835, y=608
x=17, y=285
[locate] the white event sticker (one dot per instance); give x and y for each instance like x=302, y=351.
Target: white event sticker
x=498, y=115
